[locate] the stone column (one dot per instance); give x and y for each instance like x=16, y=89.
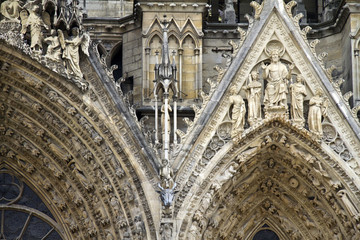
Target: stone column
x=355, y=71
x=180, y=52
x=146, y=84
x=197, y=82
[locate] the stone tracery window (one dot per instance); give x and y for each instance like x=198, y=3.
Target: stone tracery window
x=23, y=215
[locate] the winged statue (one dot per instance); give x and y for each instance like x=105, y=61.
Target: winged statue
x=71, y=48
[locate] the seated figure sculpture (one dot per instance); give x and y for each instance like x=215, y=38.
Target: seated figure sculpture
x=277, y=76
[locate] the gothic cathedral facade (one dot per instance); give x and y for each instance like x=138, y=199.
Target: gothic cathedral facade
x=180, y=120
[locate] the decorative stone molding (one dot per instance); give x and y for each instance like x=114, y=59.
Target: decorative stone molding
x=62, y=131
x=312, y=174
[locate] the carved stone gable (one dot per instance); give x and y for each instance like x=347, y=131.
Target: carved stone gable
x=275, y=77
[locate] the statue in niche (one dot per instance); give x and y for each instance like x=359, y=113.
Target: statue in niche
x=10, y=9
x=276, y=75
x=80, y=175
x=163, y=119
x=317, y=109
x=166, y=231
x=194, y=232
x=208, y=234
x=253, y=94
x=166, y=175
x=139, y=228
x=348, y=204
x=71, y=54
x=298, y=92
x=229, y=12
x=225, y=176
x=237, y=113
x=54, y=48
x=36, y=22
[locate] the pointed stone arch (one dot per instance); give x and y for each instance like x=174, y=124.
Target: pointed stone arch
x=28, y=207
x=199, y=165
x=278, y=173
x=56, y=136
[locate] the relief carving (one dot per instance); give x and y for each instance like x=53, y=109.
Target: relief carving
x=166, y=231
x=76, y=170
x=225, y=176
x=140, y=232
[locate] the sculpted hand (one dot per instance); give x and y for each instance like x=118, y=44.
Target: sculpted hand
x=291, y=67
x=263, y=66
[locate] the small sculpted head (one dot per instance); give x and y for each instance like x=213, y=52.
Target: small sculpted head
x=254, y=75
x=275, y=56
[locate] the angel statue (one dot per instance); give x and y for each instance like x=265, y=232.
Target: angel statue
x=36, y=22
x=54, y=48
x=10, y=9
x=71, y=54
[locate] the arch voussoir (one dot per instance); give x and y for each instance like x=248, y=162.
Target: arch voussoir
x=275, y=175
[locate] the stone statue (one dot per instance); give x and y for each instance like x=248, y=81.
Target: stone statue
x=140, y=232
x=80, y=175
x=163, y=119
x=71, y=51
x=348, y=203
x=225, y=176
x=277, y=77
x=318, y=107
x=166, y=231
x=237, y=113
x=298, y=92
x=166, y=175
x=10, y=9
x=54, y=49
x=229, y=12
x=36, y=23
x=253, y=94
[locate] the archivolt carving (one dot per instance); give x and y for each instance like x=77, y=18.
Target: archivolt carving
x=291, y=174
x=60, y=144
x=272, y=31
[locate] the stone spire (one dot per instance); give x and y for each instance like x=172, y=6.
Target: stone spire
x=165, y=80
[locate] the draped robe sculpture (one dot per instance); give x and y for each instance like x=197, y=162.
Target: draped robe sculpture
x=253, y=94
x=298, y=92
x=71, y=54
x=277, y=77
x=54, y=48
x=237, y=113
x=36, y=23
x=318, y=107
